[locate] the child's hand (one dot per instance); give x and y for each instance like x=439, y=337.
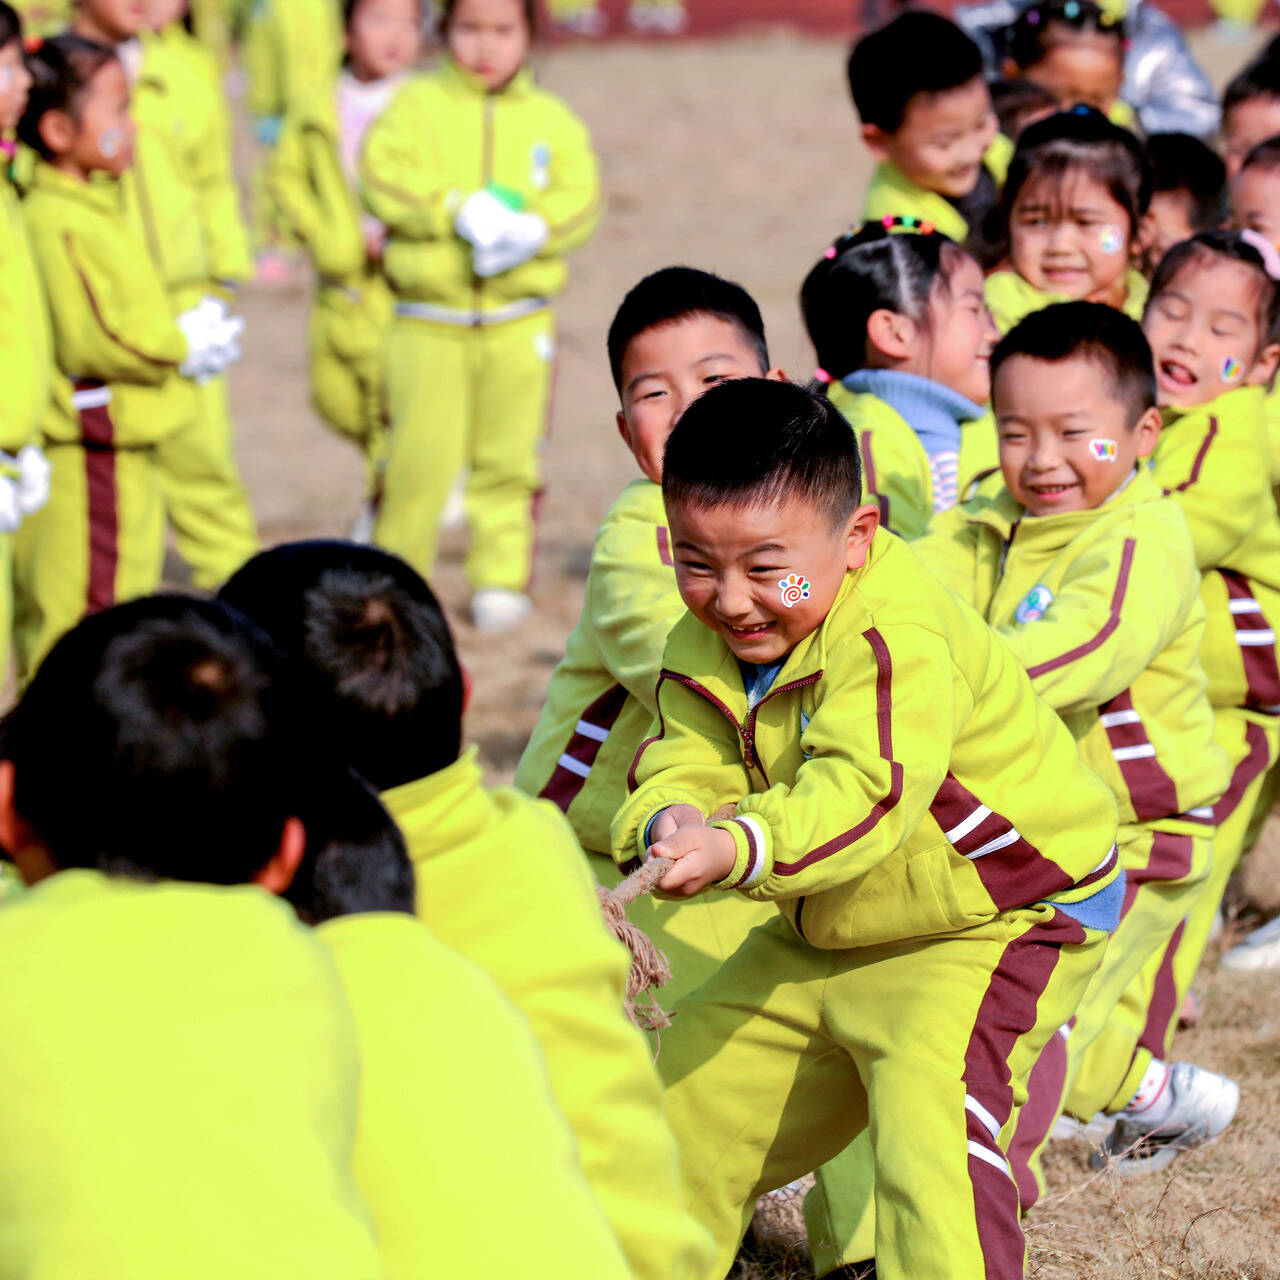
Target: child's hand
x=669, y=821
x=703, y=854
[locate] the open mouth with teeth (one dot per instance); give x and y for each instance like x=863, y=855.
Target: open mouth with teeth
x=746, y=633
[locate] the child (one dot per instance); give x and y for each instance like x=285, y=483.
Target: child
x=1077, y=192
x=499, y=877
x=676, y=333
x=449, y=1075
x=1188, y=192
x=180, y=1060
x=1019, y=103
x=314, y=188
x=1075, y=410
x=180, y=128
x=1074, y=50
x=484, y=182
x=927, y=120
x=24, y=336
x=1250, y=110
x=902, y=335
x=1254, y=192
x=126, y=366
x=939, y=915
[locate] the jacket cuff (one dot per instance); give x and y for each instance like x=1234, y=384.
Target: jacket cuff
x=754, y=859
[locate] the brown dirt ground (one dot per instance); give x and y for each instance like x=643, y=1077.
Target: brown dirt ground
x=742, y=157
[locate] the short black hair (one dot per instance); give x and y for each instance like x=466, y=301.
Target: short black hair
x=356, y=860
x=369, y=645
x=161, y=739
x=1180, y=162
x=1266, y=155
x=756, y=440
x=1225, y=244
x=1031, y=35
x=61, y=70
x=1087, y=331
x=1259, y=79
x=10, y=24
x=675, y=293
x=1014, y=100
x=917, y=52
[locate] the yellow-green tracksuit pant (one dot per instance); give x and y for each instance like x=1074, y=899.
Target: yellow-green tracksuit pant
x=475, y=397
x=1147, y=1015
x=784, y=1055
x=204, y=495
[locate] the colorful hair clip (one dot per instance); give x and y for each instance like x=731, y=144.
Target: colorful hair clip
x=822, y=376
x=906, y=222
x=829, y=253
x=33, y=44
x=1071, y=10
x=1265, y=250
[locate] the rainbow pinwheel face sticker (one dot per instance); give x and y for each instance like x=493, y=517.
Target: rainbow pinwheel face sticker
x=1111, y=240
x=1231, y=369
x=793, y=588
x=1103, y=450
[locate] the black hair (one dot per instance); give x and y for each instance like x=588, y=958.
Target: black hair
x=1082, y=139
x=1259, y=79
x=61, y=70
x=674, y=294
x=756, y=440
x=1225, y=244
x=10, y=24
x=1180, y=162
x=1266, y=155
x=1014, y=100
x=1031, y=36
x=356, y=860
x=370, y=647
x=1087, y=331
x=160, y=739
x=917, y=52
x=869, y=270
x=529, y=6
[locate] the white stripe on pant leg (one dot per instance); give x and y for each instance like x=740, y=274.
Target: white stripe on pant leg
x=1246, y=604
x=574, y=766
x=1143, y=752
x=1000, y=842
x=592, y=731
x=983, y=1153
x=1252, y=639
x=91, y=398
x=962, y=829
x=985, y=1118
x=1113, y=718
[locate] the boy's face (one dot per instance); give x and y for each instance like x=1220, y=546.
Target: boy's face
x=112, y=21
x=1066, y=442
x=666, y=368
x=1082, y=68
x=1255, y=201
x=737, y=567
x=1205, y=333
x=1168, y=222
x=942, y=139
x=1244, y=126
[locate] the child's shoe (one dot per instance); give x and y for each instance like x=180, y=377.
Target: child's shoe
x=1259, y=950
x=495, y=609
x=1203, y=1104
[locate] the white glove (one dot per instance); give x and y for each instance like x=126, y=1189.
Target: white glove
x=481, y=219
x=10, y=511
x=523, y=235
x=212, y=339
x=34, y=472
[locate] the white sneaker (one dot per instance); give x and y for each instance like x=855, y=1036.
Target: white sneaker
x=1204, y=1103
x=1259, y=950
x=495, y=609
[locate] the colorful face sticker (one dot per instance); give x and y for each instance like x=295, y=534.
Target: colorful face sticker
x=793, y=588
x=110, y=143
x=1103, y=450
x=1035, y=605
x=1231, y=369
x=1111, y=240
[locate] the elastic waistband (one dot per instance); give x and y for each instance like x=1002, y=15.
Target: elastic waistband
x=468, y=319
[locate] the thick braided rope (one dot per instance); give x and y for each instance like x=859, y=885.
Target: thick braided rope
x=649, y=967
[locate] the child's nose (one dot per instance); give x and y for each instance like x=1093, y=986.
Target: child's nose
x=734, y=599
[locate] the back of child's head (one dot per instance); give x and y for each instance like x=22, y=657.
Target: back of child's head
x=918, y=52
x=356, y=860
x=1110, y=340
x=874, y=268
x=1019, y=103
x=61, y=71
x=1181, y=163
x=754, y=441
x=370, y=647
x=675, y=293
x=160, y=739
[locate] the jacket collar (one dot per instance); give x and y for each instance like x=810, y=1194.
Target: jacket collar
x=460, y=80
x=442, y=810
x=101, y=193
x=1248, y=399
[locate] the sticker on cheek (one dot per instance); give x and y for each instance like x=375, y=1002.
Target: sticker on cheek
x=1231, y=369
x=793, y=588
x=110, y=143
x=1103, y=450
x=1111, y=240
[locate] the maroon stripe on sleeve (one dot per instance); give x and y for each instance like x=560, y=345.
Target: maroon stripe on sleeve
x=1200, y=457
x=1108, y=627
x=664, y=546
x=564, y=785
x=98, y=438
x=884, y=730
x=1261, y=671
x=1255, y=762
x=869, y=474
x=1151, y=790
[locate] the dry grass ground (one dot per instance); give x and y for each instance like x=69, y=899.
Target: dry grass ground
x=742, y=157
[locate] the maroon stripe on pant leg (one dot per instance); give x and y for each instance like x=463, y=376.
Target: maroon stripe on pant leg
x=564, y=785
x=1158, y=1032
x=103, y=503
x=1151, y=790
x=1244, y=774
x=1043, y=1106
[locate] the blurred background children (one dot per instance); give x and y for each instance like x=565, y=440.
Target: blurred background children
x=1188, y=192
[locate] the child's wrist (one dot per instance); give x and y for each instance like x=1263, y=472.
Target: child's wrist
x=751, y=861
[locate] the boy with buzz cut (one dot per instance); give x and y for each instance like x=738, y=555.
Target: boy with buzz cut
x=676, y=333
x=500, y=878
x=919, y=90
x=179, y=1060
x=943, y=863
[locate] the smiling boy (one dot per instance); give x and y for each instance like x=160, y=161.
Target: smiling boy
x=939, y=916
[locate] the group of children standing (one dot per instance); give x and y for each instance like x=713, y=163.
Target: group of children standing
x=947, y=683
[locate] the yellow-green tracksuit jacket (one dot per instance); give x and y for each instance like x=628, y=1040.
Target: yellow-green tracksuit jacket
x=291, y=48
x=456, y=1116
x=181, y=1088
x=895, y=466
x=599, y=705
x=1010, y=298
x=26, y=344
x=44, y=17
x=501, y=880
x=899, y=780
x=351, y=316
x=892, y=193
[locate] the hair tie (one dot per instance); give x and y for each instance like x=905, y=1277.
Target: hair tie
x=1266, y=251
x=1033, y=17
x=33, y=44
x=829, y=252
x=905, y=222
x=822, y=376
x=1071, y=10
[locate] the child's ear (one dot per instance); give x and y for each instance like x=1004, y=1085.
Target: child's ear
x=623, y=430
x=862, y=527
x=17, y=839
x=777, y=374
x=1144, y=236
x=278, y=874
x=1148, y=430
x=57, y=132
x=891, y=333
x=1264, y=367
x=875, y=139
